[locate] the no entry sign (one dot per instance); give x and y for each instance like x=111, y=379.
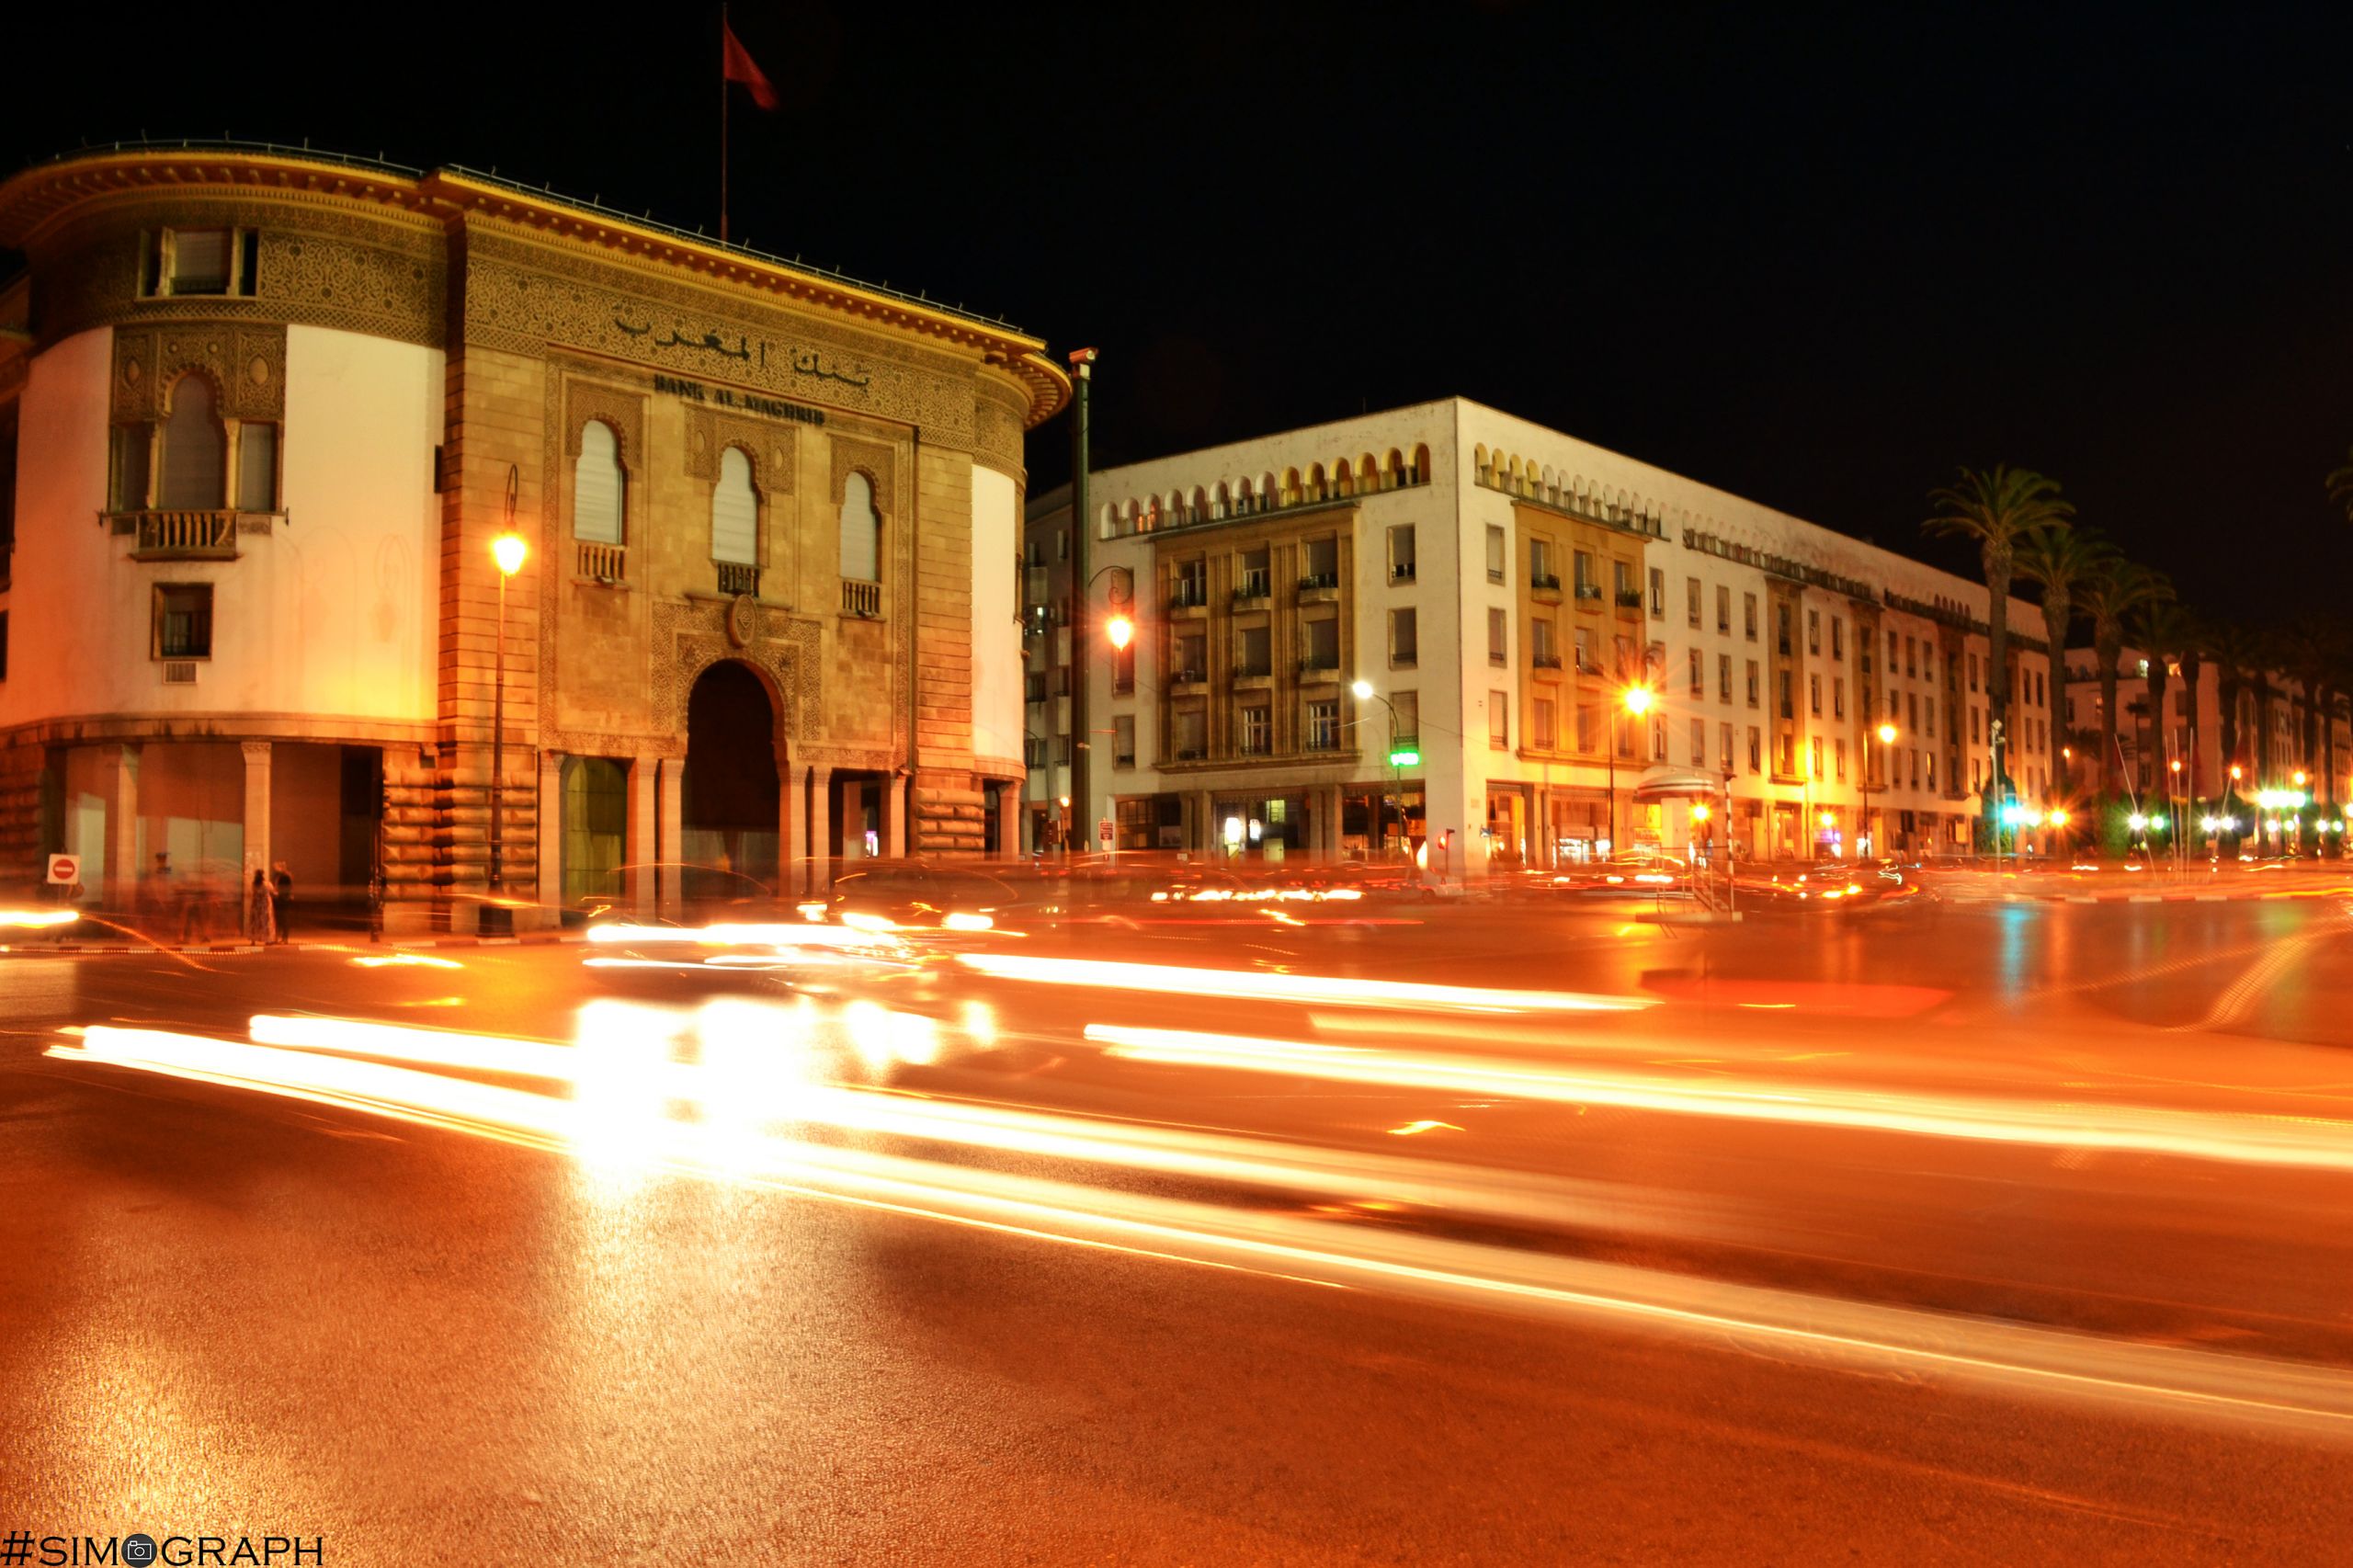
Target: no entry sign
x=65, y=870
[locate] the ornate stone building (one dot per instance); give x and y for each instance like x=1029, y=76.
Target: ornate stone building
x=267, y=412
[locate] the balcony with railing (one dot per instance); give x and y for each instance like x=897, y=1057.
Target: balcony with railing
x=1630, y=599
x=1588, y=594
x=1546, y=665
x=738, y=577
x=1252, y=585
x=1319, y=586
x=1545, y=587
x=861, y=599
x=208, y=534
x=1191, y=594
x=603, y=562
x=1319, y=667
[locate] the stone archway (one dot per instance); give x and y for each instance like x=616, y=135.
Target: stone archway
x=728, y=813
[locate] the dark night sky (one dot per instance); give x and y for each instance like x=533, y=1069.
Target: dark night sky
x=1818, y=258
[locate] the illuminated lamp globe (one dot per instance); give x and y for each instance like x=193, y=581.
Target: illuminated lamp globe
x=1638, y=700
x=508, y=550
x=1361, y=690
x=1887, y=734
x=1119, y=629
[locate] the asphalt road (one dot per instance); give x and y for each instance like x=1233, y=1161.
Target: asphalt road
x=1931, y=1234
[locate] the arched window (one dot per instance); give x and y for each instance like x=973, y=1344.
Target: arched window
x=735, y=511
x=597, y=485
x=861, y=531
x=196, y=449
x=1419, y=472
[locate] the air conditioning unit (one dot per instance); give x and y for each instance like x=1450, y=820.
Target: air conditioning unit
x=179, y=672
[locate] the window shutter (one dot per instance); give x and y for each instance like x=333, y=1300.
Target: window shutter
x=200, y=261
x=596, y=486
x=195, y=448
x=734, y=512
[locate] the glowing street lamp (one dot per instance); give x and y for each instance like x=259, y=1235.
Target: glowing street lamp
x=1636, y=701
x=1119, y=629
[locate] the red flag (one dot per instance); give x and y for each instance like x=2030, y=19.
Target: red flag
x=735, y=65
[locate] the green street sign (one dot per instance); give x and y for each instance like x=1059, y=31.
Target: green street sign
x=1405, y=758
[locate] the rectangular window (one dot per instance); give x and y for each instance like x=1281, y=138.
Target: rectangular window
x=1698, y=673
x=1495, y=553
x=1192, y=735
x=1723, y=734
x=1192, y=582
x=1813, y=694
x=1782, y=686
x=133, y=445
x=1251, y=579
x=1124, y=740
x=1698, y=742
x=1250, y=655
x=1059, y=679
x=183, y=621
x=1972, y=672
x=1621, y=579
x=1258, y=729
x=1498, y=637
x=1837, y=637
x=1321, y=559
x=1891, y=652
x=1035, y=686
x=1752, y=683
x=256, y=466
x=1123, y=669
x=1781, y=629
x=1838, y=696
x=1814, y=631
x=1584, y=651
x=1543, y=649
x=1319, y=644
x=1323, y=725
x=197, y=261
x=1910, y=657
x=1755, y=749
x=1659, y=594
x=1544, y=725
x=1408, y=708
x=1749, y=614
x=1034, y=552
x=1061, y=750
x=1588, y=727
x=1724, y=677
x=1912, y=708
x=1404, y=638
x=1931, y=720
x=1841, y=774
x=1588, y=588
x=1193, y=656
x=1976, y=725
x=1723, y=610
x=1402, y=563
x=1499, y=719
x=1539, y=564
x=1658, y=737
x=1691, y=596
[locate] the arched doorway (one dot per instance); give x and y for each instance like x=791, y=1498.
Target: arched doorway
x=728, y=816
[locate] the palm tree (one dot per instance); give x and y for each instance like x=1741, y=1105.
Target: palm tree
x=2340, y=485
x=2193, y=657
x=1998, y=510
x=2162, y=631
x=2110, y=595
x=2235, y=651
x=2058, y=558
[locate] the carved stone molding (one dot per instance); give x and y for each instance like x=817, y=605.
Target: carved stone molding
x=618, y=407
x=246, y=361
x=525, y=297
x=377, y=273
x=690, y=638
x=768, y=443
x=874, y=461
x=1000, y=416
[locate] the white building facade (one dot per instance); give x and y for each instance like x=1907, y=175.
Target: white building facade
x=1500, y=587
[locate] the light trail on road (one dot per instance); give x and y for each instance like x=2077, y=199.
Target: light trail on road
x=1260, y=985
x=626, y=1087
x=2240, y=1137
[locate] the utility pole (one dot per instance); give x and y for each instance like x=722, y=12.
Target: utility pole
x=1081, y=365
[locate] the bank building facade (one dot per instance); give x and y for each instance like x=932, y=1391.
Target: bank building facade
x=263, y=412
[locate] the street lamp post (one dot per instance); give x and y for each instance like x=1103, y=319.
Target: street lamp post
x=1636, y=701
x=508, y=550
x=1362, y=691
x=1886, y=734
x=1081, y=365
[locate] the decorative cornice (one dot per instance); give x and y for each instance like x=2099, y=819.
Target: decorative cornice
x=35, y=201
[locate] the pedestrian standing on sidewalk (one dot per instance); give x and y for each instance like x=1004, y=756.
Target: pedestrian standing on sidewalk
x=259, y=927
x=281, y=902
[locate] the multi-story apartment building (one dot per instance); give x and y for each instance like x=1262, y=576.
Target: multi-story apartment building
x=262, y=413
x=2277, y=732
x=1495, y=589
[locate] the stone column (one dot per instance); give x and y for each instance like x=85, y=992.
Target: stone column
x=1205, y=819
x=670, y=833
x=792, y=819
x=258, y=757
x=550, y=837
x=893, y=790
x=122, y=868
x=1009, y=823
x=643, y=852
x=821, y=859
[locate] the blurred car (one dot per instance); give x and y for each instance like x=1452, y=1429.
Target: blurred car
x=1641, y=871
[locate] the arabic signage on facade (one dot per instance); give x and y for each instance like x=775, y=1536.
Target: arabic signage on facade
x=728, y=397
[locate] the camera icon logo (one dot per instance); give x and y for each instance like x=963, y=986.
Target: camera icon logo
x=139, y=1550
